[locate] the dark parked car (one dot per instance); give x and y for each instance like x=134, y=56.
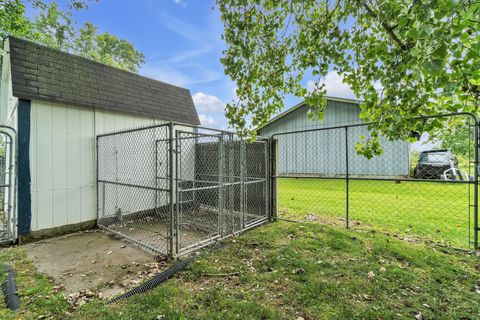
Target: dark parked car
x=437, y=164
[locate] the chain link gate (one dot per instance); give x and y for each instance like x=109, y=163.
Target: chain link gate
x=132, y=186
x=198, y=205
x=174, y=188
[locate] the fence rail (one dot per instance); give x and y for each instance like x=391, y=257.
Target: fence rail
x=424, y=189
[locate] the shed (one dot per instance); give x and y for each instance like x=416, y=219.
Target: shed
x=59, y=103
x=323, y=152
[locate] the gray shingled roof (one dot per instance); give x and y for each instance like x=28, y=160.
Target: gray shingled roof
x=42, y=73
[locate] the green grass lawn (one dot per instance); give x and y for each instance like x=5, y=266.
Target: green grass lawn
x=286, y=271
x=437, y=211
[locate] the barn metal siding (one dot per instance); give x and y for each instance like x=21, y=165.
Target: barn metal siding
x=323, y=152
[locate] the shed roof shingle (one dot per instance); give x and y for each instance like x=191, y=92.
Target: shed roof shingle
x=42, y=73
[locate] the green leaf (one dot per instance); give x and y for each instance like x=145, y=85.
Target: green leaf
x=425, y=57
x=434, y=67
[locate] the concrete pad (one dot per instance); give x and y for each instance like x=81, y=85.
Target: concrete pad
x=91, y=260
x=154, y=233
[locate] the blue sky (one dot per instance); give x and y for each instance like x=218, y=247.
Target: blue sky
x=181, y=40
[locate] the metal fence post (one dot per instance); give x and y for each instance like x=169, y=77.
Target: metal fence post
x=347, y=181
x=9, y=185
x=475, y=188
x=221, y=159
x=156, y=176
x=266, y=157
x=273, y=178
x=177, y=151
x=4, y=185
x=11, y=193
x=230, y=206
x=171, y=154
x=242, y=181
x=96, y=181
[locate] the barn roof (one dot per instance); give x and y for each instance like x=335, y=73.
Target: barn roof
x=302, y=104
x=43, y=73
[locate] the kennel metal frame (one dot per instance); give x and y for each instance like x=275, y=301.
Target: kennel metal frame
x=208, y=184
x=8, y=185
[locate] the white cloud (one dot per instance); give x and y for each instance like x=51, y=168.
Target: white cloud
x=182, y=3
x=207, y=121
x=334, y=86
x=212, y=110
x=208, y=103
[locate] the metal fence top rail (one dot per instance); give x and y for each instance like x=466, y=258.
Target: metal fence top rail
x=350, y=177
x=445, y=115
x=197, y=135
x=133, y=130
x=140, y=128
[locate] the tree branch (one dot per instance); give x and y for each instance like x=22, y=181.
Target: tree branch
x=411, y=7
x=387, y=27
x=329, y=14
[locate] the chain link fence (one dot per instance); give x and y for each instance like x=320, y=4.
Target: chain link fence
x=174, y=188
x=422, y=188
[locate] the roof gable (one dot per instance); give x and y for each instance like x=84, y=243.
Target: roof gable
x=42, y=73
x=302, y=105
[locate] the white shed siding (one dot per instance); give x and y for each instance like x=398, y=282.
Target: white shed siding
x=8, y=103
x=130, y=159
x=8, y=117
x=62, y=160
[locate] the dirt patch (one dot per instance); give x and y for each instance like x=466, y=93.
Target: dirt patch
x=91, y=260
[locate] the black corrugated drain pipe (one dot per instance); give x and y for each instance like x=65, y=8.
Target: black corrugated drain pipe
x=155, y=281
x=9, y=287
